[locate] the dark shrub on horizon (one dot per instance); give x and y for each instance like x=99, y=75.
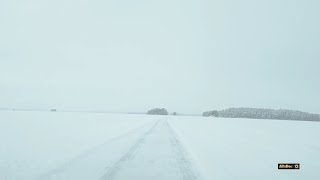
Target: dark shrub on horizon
x=158, y=111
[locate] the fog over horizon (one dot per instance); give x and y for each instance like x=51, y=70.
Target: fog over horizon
x=186, y=56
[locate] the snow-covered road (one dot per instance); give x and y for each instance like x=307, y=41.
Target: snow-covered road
x=156, y=155
x=149, y=152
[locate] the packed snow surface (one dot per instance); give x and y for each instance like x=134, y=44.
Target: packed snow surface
x=99, y=146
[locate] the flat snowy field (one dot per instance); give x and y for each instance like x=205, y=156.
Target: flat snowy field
x=96, y=146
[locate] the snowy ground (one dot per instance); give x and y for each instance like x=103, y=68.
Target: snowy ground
x=251, y=149
x=93, y=146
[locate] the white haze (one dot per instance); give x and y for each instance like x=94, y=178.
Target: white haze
x=188, y=56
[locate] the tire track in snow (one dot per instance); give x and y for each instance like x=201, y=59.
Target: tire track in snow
x=109, y=175
x=83, y=158
x=187, y=169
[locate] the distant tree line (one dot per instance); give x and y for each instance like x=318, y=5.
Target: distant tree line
x=214, y=113
x=256, y=113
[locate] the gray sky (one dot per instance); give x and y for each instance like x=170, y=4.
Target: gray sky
x=185, y=55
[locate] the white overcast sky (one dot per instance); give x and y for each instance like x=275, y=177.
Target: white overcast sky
x=185, y=55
